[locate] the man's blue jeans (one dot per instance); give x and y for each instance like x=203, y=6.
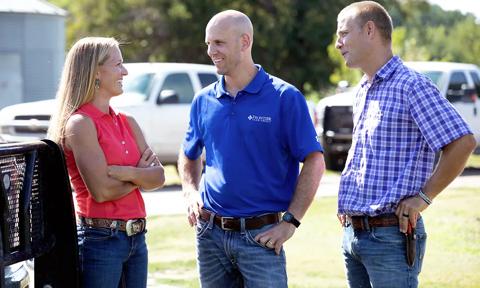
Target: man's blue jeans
x=376, y=258
x=110, y=258
x=234, y=259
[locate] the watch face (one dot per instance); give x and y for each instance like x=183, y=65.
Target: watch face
x=287, y=217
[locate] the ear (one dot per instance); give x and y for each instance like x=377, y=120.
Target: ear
x=370, y=29
x=246, y=41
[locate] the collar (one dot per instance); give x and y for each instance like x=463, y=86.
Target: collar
x=94, y=112
x=253, y=87
x=384, y=72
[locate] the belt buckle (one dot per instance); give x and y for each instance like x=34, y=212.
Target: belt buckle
x=134, y=226
x=223, y=221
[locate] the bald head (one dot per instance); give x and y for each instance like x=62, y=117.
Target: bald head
x=232, y=20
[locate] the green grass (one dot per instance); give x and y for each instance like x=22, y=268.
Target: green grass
x=313, y=254
x=474, y=161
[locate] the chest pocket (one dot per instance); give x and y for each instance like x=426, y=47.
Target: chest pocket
x=373, y=117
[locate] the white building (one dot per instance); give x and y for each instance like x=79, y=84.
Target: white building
x=32, y=50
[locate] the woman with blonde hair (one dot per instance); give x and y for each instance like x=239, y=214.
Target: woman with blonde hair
x=108, y=160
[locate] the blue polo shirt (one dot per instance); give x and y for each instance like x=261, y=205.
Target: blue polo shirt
x=253, y=143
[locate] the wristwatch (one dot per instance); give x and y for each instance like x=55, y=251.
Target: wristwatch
x=289, y=218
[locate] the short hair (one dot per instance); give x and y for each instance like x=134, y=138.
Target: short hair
x=78, y=80
x=372, y=11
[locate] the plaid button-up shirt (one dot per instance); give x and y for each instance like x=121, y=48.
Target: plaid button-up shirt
x=400, y=121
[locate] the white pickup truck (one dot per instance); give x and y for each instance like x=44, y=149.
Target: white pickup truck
x=458, y=82
x=158, y=95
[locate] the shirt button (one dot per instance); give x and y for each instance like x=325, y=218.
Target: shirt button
x=126, y=151
x=123, y=142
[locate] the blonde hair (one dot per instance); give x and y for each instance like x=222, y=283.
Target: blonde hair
x=77, y=85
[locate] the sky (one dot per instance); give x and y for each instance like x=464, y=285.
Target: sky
x=472, y=6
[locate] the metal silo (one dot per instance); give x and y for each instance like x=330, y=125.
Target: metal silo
x=32, y=50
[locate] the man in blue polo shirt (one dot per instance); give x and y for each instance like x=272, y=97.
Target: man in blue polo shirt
x=255, y=129
x=400, y=122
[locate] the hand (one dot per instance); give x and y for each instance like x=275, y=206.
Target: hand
x=408, y=210
x=342, y=218
x=121, y=173
x=276, y=236
x=193, y=204
x=148, y=159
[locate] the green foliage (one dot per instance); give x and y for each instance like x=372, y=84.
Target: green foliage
x=293, y=38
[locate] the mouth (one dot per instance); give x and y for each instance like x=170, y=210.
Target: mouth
x=217, y=61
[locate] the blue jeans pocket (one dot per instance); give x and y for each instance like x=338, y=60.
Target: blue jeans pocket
x=387, y=235
x=97, y=234
x=251, y=234
x=201, y=227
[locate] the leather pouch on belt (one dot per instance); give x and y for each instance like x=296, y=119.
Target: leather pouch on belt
x=411, y=245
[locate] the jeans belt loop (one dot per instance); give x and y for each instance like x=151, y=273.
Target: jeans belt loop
x=113, y=225
x=242, y=226
x=211, y=221
x=366, y=226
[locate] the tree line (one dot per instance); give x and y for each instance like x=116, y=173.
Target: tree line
x=293, y=39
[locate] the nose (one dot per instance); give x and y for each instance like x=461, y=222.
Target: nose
x=124, y=70
x=210, y=50
x=338, y=43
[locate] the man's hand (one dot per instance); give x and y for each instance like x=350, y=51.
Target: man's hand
x=193, y=204
x=408, y=210
x=276, y=236
x=342, y=218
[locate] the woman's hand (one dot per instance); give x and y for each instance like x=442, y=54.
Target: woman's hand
x=148, y=159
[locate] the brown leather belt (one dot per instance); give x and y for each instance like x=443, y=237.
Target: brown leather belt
x=131, y=227
x=367, y=222
x=234, y=224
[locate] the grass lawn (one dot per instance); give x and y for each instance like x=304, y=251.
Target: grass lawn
x=313, y=254
x=474, y=161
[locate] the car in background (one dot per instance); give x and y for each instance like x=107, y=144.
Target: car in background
x=158, y=95
x=458, y=82
x=334, y=127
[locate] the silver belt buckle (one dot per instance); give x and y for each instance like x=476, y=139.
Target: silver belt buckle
x=223, y=219
x=134, y=226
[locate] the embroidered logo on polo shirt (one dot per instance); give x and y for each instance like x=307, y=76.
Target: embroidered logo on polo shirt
x=256, y=118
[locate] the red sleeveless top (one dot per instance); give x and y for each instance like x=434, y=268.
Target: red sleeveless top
x=120, y=148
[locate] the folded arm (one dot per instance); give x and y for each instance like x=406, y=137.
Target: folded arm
x=149, y=173
x=81, y=139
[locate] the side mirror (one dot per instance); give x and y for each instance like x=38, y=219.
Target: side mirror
x=168, y=97
x=465, y=95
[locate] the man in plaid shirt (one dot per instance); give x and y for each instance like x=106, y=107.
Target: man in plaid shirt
x=400, y=122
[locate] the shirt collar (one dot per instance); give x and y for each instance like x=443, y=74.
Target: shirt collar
x=384, y=72
x=252, y=88
x=94, y=112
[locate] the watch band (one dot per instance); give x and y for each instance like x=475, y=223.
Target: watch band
x=289, y=218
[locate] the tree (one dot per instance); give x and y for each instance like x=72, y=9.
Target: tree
x=291, y=36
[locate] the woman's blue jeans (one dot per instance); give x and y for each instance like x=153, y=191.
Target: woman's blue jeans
x=376, y=258
x=110, y=258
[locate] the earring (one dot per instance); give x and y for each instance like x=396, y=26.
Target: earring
x=97, y=83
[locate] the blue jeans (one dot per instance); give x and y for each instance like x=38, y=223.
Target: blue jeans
x=376, y=258
x=110, y=258
x=234, y=259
